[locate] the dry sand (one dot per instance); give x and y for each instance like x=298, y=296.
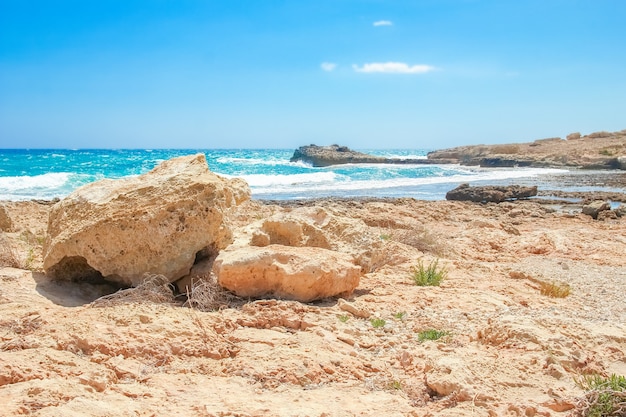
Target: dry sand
x=511, y=351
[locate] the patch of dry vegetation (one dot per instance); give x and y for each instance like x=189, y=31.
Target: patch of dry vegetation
x=206, y=294
x=8, y=254
x=554, y=289
x=422, y=239
x=153, y=289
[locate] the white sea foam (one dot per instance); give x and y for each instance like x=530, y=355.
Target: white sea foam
x=345, y=185
x=303, y=181
x=50, y=180
x=44, y=186
x=261, y=161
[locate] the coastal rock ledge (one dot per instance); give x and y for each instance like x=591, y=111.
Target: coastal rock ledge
x=599, y=150
x=161, y=222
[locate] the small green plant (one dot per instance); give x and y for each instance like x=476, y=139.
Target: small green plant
x=431, y=334
x=554, y=289
x=400, y=315
x=395, y=385
x=605, y=397
x=385, y=236
x=377, y=322
x=344, y=318
x=431, y=275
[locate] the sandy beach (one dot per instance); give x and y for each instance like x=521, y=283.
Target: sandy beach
x=504, y=348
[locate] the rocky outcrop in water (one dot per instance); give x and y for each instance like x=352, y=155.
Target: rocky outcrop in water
x=322, y=156
x=600, y=150
x=158, y=223
x=490, y=194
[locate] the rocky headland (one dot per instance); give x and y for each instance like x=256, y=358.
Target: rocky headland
x=231, y=306
x=599, y=150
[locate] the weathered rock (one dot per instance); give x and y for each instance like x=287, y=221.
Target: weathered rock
x=302, y=227
x=322, y=156
x=490, y=194
x=595, y=207
x=620, y=211
x=607, y=215
x=573, y=136
x=158, y=223
x=315, y=227
x=6, y=224
x=302, y=274
x=601, y=134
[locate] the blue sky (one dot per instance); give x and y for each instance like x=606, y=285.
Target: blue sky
x=280, y=74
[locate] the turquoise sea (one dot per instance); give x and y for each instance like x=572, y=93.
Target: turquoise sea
x=45, y=174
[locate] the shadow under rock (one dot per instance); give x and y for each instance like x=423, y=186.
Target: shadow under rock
x=71, y=293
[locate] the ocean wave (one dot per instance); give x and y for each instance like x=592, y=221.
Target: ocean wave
x=228, y=160
x=294, y=180
x=50, y=180
x=44, y=186
x=347, y=185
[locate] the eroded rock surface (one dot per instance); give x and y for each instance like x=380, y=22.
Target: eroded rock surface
x=158, y=223
x=294, y=273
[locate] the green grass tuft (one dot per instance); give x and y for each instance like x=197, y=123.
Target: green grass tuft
x=400, y=315
x=431, y=334
x=605, y=397
x=377, y=322
x=430, y=275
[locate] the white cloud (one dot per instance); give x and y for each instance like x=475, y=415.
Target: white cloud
x=328, y=66
x=393, y=67
x=383, y=23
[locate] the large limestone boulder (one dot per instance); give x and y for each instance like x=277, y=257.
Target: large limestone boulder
x=160, y=222
x=294, y=273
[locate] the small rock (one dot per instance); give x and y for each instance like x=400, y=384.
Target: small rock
x=361, y=312
x=595, y=207
x=573, y=136
x=607, y=215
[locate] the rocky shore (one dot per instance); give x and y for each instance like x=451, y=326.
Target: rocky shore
x=321, y=315
x=599, y=150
